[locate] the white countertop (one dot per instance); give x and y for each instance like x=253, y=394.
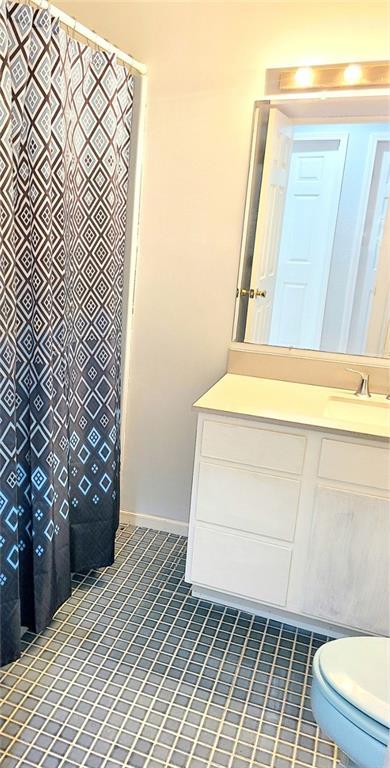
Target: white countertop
x=305, y=404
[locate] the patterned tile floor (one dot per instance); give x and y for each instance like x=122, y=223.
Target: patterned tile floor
x=134, y=671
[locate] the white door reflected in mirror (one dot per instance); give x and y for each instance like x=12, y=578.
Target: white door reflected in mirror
x=308, y=231
x=321, y=247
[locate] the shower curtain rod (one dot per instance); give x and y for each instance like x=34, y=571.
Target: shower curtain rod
x=70, y=23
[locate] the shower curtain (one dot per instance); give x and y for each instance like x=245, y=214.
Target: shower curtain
x=65, y=121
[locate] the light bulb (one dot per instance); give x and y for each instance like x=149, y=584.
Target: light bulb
x=304, y=77
x=352, y=74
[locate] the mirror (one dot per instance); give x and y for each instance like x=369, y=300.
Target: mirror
x=315, y=262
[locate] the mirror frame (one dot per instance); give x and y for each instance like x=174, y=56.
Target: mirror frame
x=259, y=128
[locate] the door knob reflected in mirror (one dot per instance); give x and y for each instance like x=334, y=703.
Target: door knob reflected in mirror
x=251, y=293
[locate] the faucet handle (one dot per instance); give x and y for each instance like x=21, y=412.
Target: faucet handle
x=363, y=388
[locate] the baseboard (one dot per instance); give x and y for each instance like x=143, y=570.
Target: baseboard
x=165, y=524
x=269, y=612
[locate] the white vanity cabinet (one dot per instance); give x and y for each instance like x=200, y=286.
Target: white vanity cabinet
x=291, y=522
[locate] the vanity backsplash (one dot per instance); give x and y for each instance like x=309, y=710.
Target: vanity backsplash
x=308, y=367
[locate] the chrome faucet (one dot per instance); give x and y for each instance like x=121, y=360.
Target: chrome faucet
x=363, y=389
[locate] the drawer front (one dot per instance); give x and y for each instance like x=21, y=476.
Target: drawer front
x=256, y=447
x=355, y=463
x=248, y=500
x=230, y=563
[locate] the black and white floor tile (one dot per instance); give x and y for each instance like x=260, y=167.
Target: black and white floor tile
x=134, y=671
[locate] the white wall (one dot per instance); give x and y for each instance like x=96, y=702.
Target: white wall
x=346, y=248
x=206, y=66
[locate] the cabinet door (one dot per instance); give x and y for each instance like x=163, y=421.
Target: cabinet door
x=348, y=560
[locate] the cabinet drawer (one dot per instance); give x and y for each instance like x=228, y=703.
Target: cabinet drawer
x=354, y=463
x=257, y=447
x=230, y=563
x=248, y=500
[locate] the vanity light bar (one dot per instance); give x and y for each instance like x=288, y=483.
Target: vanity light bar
x=364, y=74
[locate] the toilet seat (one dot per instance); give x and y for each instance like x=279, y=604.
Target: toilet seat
x=350, y=697
x=355, y=716
x=345, y=665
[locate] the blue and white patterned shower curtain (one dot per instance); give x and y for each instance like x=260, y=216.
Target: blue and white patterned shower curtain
x=65, y=119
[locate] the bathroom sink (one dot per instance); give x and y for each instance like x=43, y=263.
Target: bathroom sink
x=358, y=411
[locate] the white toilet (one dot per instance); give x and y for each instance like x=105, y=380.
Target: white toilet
x=350, y=697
